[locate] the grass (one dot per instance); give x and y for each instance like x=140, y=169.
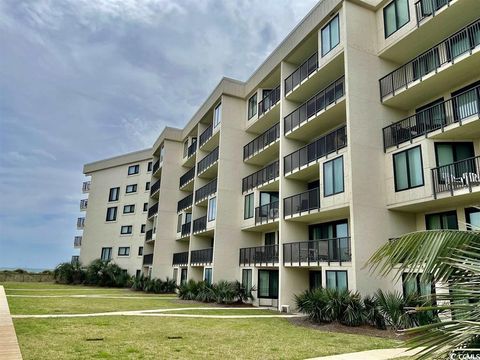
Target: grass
x=122, y=337
x=148, y=338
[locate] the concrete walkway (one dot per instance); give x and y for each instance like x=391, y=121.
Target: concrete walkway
x=9, y=349
x=379, y=354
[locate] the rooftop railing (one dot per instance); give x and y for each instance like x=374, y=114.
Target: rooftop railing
x=301, y=73
x=261, y=141
x=260, y=177
x=313, y=252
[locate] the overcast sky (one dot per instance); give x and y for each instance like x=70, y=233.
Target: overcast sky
x=82, y=80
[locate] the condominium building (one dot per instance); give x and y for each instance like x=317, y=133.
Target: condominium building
x=362, y=125
x=113, y=227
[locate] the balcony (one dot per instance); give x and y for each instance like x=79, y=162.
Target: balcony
x=77, y=241
x=180, y=259
x=86, y=186
x=255, y=151
x=207, y=164
x=147, y=259
x=302, y=204
x=437, y=117
x=185, y=203
x=192, y=149
x=75, y=259
x=266, y=176
x=316, y=252
x=311, y=153
x=301, y=73
x=425, y=9
x=259, y=256
x=304, y=122
x=83, y=204
x=149, y=235
x=80, y=223
x=185, y=230
x=267, y=213
x=155, y=188
x=460, y=175
x=200, y=225
x=152, y=211
x=186, y=178
x=205, y=191
x=201, y=257
x=427, y=73
x=156, y=167
x=269, y=101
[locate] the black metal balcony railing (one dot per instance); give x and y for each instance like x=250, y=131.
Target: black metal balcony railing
x=185, y=231
x=317, y=251
x=75, y=259
x=207, y=161
x=149, y=235
x=206, y=190
x=185, y=203
x=447, y=51
x=80, y=222
x=269, y=101
x=203, y=256
x=463, y=174
x=259, y=255
x=317, y=149
x=192, y=149
x=301, y=203
x=261, y=141
x=301, y=73
x=77, y=241
x=200, y=224
x=153, y=210
x=155, y=187
x=427, y=8
x=86, y=186
x=266, y=213
x=156, y=166
x=436, y=117
x=317, y=103
x=260, y=177
x=180, y=258
x=187, y=177
x=205, y=135
x=148, y=259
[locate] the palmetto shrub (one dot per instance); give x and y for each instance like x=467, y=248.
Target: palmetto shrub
x=314, y=304
x=69, y=273
x=188, y=290
x=223, y=292
x=373, y=314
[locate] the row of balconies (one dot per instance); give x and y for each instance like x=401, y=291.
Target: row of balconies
x=197, y=258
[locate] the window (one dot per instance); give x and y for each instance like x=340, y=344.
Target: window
x=142, y=229
x=145, y=206
x=183, y=276
x=131, y=188
x=113, y=194
x=208, y=276
x=248, y=207
x=472, y=216
x=442, y=221
x=395, y=15
x=337, y=248
x=185, y=148
x=268, y=284
x=124, y=251
x=315, y=279
x=111, y=214
x=133, y=169
x=333, y=177
x=247, y=279
x=408, y=169
x=337, y=279
x=147, y=186
x=140, y=250
x=149, y=166
x=129, y=209
x=126, y=229
x=330, y=36
x=252, y=106
x=175, y=275
x=465, y=102
x=217, y=115
x=106, y=254
x=179, y=223
x=450, y=153
x=413, y=284
x=138, y=273
x=212, y=208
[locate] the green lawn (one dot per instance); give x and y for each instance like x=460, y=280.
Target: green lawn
x=225, y=312
x=122, y=337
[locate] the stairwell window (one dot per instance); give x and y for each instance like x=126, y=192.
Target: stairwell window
x=408, y=169
x=123, y=251
x=395, y=15
x=217, y=115
x=142, y=229
x=149, y=166
x=111, y=214
x=133, y=169
x=330, y=36
x=145, y=207
x=252, y=106
x=147, y=186
x=333, y=177
x=248, y=207
x=212, y=208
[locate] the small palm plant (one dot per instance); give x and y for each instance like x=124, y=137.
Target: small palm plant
x=452, y=257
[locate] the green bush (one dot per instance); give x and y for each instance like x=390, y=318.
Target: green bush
x=373, y=314
x=69, y=273
x=223, y=292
